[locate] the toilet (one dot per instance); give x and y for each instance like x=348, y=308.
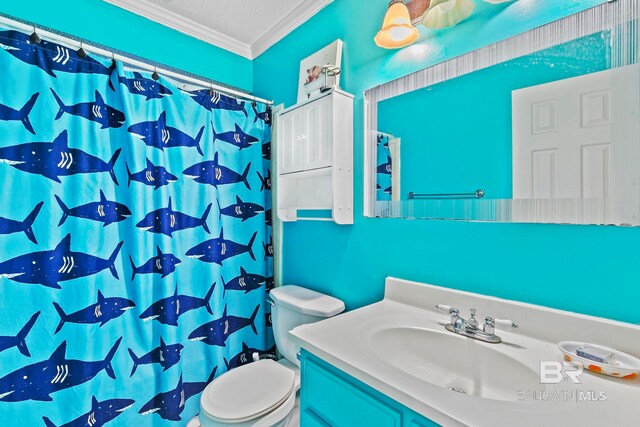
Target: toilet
x=263, y=393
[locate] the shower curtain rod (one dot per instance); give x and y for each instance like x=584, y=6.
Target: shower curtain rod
x=131, y=60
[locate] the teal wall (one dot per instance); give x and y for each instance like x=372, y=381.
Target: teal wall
x=103, y=23
x=454, y=147
x=587, y=269
x=542, y=264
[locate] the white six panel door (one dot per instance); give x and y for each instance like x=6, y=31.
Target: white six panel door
x=578, y=139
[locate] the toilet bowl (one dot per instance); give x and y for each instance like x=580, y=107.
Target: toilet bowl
x=263, y=393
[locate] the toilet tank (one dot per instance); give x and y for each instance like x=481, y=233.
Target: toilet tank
x=294, y=306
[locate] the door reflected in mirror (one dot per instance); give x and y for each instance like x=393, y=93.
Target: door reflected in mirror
x=551, y=136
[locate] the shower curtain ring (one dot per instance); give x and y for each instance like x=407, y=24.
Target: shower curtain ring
x=155, y=75
x=35, y=38
x=81, y=52
x=114, y=64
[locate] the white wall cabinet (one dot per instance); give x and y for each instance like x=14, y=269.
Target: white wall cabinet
x=315, y=158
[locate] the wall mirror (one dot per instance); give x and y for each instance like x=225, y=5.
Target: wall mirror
x=542, y=127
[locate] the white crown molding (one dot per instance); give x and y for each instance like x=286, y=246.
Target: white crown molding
x=186, y=26
x=163, y=16
x=293, y=20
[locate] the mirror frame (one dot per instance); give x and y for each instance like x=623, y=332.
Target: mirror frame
x=606, y=17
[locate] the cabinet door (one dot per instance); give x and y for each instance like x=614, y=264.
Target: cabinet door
x=331, y=400
x=416, y=420
x=307, y=137
x=292, y=144
x=319, y=135
x=309, y=418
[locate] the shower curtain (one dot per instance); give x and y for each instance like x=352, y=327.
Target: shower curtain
x=135, y=239
x=383, y=168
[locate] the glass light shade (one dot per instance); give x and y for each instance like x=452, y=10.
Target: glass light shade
x=397, y=30
x=445, y=13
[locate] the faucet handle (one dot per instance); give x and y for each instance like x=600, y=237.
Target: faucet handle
x=505, y=324
x=444, y=308
x=453, y=312
x=473, y=322
x=489, y=327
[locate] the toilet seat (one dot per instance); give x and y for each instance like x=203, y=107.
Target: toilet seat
x=248, y=392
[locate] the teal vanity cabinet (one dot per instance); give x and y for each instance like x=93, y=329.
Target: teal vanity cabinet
x=330, y=397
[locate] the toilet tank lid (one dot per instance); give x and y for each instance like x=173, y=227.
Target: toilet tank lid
x=307, y=301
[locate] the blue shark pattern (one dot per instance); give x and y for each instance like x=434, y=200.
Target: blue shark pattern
x=266, y=151
x=267, y=320
x=170, y=404
x=265, y=181
x=104, y=310
x=163, y=264
x=47, y=268
x=19, y=341
x=152, y=175
x=385, y=168
x=91, y=116
x=140, y=85
x=383, y=171
x=49, y=56
x=270, y=283
x=165, y=355
x=55, y=159
x=268, y=248
x=248, y=355
x=100, y=414
x=220, y=249
x=22, y=115
x=97, y=111
x=212, y=100
x=244, y=282
x=159, y=135
x=241, y=209
x=237, y=138
x=167, y=221
x=218, y=331
x=39, y=380
x=104, y=211
x=265, y=116
x=213, y=173
x=168, y=310
x=9, y=226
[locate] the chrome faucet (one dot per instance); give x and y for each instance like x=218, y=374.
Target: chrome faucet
x=471, y=328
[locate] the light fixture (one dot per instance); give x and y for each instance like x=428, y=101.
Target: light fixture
x=397, y=30
x=446, y=13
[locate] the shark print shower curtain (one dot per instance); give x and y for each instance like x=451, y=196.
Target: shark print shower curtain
x=135, y=240
x=383, y=169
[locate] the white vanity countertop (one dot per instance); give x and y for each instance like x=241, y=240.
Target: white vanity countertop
x=344, y=341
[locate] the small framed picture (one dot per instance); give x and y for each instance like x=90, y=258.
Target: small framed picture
x=320, y=71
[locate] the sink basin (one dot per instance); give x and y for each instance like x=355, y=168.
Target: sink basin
x=454, y=362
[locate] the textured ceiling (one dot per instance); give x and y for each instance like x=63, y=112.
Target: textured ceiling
x=243, y=20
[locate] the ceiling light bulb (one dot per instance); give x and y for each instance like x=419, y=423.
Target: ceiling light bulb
x=397, y=30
